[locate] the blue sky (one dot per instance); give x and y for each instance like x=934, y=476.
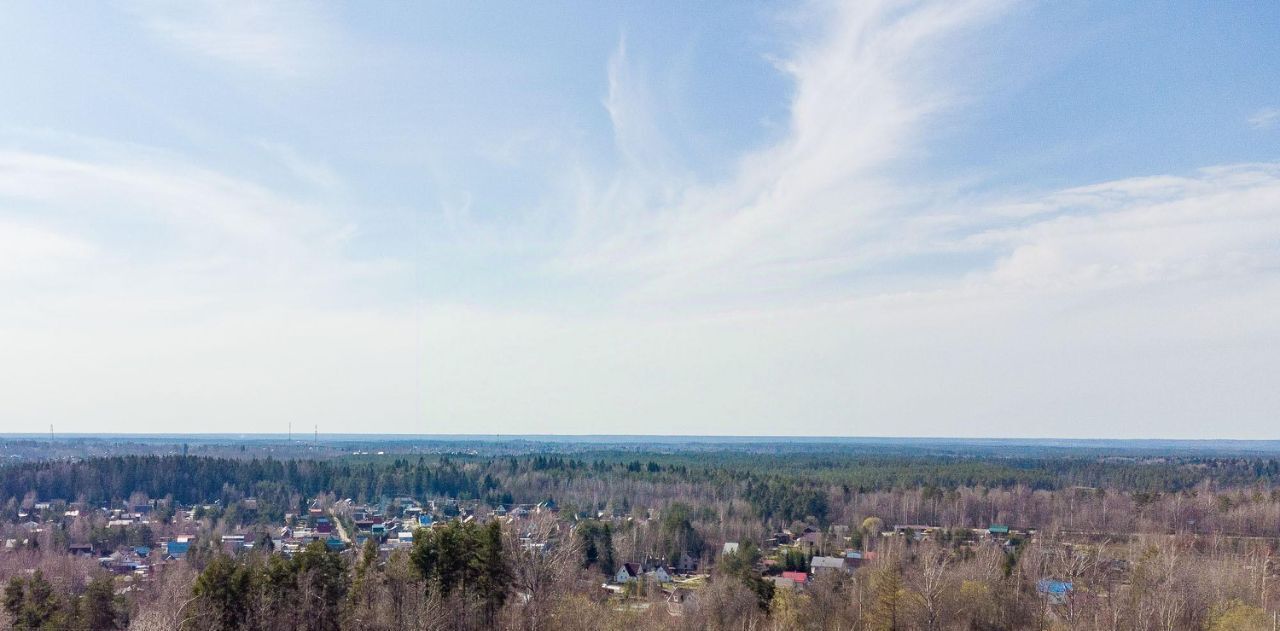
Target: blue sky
x=973, y=218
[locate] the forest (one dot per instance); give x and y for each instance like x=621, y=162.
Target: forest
x=536, y=541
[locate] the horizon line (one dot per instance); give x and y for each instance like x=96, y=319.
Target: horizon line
x=304, y=436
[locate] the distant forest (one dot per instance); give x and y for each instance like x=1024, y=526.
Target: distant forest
x=785, y=487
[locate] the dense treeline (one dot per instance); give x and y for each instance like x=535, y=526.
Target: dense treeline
x=191, y=479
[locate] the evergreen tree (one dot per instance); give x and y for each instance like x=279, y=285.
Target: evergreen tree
x=492, y=571
x=322, y=577
x=99, y=608
x=222, y=594
x=888, y=600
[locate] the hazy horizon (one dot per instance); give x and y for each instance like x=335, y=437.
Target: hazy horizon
x=304, y=437
x=926, y=219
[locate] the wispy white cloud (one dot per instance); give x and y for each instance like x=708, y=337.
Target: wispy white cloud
x=284, y=38
x=27, y=249
x=1265, y=118
x=178, y=232
x=309, y=170
x=1220, y=222
x=864, y=85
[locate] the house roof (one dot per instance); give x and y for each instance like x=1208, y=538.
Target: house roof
x=826, y=562
x=798, y=577
x=1049, y=586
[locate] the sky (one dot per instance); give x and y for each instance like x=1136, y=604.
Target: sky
x=962, y=218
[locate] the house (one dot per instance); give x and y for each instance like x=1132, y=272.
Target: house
x=730, y=547
x=687, y=563
x=627, y=573
x=855, y=559
x=177, y=549
x=917, y=532
x=232, y=543
x=82, y=549
x=810, y=541
x=998, y=530
x=797, y=578
x=118, y=563
x=659, y=573
x=1055, y=592
x=677, y=599
x=818, y=565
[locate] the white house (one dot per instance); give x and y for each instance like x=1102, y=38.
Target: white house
x=659, y=574
x=627, y=573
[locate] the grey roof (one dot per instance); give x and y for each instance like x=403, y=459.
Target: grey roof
x=826, y=562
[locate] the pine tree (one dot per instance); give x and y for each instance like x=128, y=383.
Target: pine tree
x=222, y=591
x=14, y=597
x=888, y=600
x=99, y=604
x=493, y=573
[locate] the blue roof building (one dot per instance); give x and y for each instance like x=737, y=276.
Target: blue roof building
x=177, y=549
x=1056, y=592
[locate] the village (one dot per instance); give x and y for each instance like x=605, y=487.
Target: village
x=138, y=539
